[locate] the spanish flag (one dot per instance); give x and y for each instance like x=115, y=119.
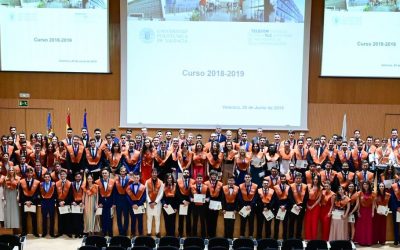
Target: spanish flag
x=68, y=124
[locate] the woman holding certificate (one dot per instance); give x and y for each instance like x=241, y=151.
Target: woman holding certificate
x=389, y=176
x=379, y=221
x=313, y=209
x=339, y=211
x=364, y=233
x=170, y=206
x=353, y=194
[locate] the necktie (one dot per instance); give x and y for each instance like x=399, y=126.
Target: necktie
x=365, y=175
x=46, y=187
x=186, y=184
x=298, y=188
x=345, y=155
x=344, y=175
x=105, y=183
x=302, y=153
x=248, y=189
x=62, y=186
x=282, y=187
x=123, y=181
x=199, y=189
x=77, y=186
x=93, y=154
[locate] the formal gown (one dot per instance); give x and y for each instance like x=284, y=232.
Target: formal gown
x=340, y=227
x=325, y=220
x=11, y=210
x=90, y=220
x=312, y=216
x=364, y=228
x=146, y=166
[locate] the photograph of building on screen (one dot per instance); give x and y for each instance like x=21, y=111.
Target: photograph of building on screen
x=363, y=5
x=218, y=10
x=66, y=4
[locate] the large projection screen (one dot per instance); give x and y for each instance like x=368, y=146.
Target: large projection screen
x=54, y=36
x=361, y=39
x=232, y=63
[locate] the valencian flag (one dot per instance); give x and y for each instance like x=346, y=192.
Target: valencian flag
x=68, y=124
x=49, y=123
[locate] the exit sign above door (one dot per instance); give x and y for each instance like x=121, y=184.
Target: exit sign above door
x=23, y=103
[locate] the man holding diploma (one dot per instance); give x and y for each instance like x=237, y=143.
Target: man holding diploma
x=229, y=205
x=215, y=188
x=298, y=196
x=28, y=193
x=247, y=201
x=201, y=195
x=154, y=194
x=281, y=206
x=136, y=195
x=77, y=196
x=183, y=193
x=64, y=197
x=265, y=203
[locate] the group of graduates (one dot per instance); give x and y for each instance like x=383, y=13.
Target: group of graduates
x=345, y=186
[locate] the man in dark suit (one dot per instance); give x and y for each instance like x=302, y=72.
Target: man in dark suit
x=48, y=201
x=220, y=137
x=28, y=192
x=121, y=202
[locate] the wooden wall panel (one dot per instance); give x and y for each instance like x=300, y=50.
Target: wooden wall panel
x=75, y=86
x=343, y=90
x=323, y=118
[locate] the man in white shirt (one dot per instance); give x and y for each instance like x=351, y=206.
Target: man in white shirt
x=154, y=193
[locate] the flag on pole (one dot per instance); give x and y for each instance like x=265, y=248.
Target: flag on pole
x=344, y=128
x=84, y=120
x=68, y=124
x=49, y=123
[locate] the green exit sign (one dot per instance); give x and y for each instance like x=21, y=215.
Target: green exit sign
x=23, y=103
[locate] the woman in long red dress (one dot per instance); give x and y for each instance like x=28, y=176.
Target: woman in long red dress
x=146, y=161
x=353, y=194
x=313, y=209
x=382, y=199
x=364, y=232
x=326, y=204
x=199, y=160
